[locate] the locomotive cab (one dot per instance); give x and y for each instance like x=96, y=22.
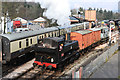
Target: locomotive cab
x=52, y=52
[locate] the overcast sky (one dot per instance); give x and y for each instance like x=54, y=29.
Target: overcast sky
x=105, y=4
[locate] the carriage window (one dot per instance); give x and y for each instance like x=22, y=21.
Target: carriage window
x=31, y=41
x=48, y=34
x=20, y=44
x=27, y=43
x=52, y=34
x=55, y=34
x=42, y=37
x=45, y=35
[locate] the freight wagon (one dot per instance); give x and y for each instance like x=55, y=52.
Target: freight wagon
x=84, y=38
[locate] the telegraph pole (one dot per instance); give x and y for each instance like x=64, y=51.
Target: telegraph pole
x=110, y=35
x=2, y=25
x=6, y=28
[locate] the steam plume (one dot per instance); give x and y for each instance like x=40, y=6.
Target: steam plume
x=57, y=9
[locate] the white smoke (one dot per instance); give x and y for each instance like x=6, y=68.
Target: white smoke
x=57, y=10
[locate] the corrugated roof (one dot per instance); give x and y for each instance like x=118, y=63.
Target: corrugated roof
x=83, y=32
x=20, y=19
x=103, y=27
x=15, y=36
x=57, y=39
x=73, y=25
x=62, y=27
x=95, y=29
x=79, y=24
x=40, y=19
x=73, y=18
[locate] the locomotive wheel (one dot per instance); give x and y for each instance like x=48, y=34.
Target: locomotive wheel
x=77, y=55
x=43, y=67
x=34, y=64
x=39, y=66
x=82, y=53
x=61, y=68
x=72, y=59
x=50, y=67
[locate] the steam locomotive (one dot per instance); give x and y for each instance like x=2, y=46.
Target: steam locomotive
x=55, y=52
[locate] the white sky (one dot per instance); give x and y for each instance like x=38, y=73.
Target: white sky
x=105, y=4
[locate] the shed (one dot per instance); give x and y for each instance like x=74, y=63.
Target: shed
x=39, y=21
x=84, y=38
x=23, y=21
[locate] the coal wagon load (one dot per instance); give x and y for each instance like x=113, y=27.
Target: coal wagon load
x=55, y=52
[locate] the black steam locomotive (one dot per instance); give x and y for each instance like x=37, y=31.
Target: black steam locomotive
x=55, y=52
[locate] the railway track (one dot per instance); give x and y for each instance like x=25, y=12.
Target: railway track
x=36, y=73
x=13, y=65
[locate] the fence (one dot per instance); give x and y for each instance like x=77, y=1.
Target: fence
x=86, y=71
x=100, y=60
